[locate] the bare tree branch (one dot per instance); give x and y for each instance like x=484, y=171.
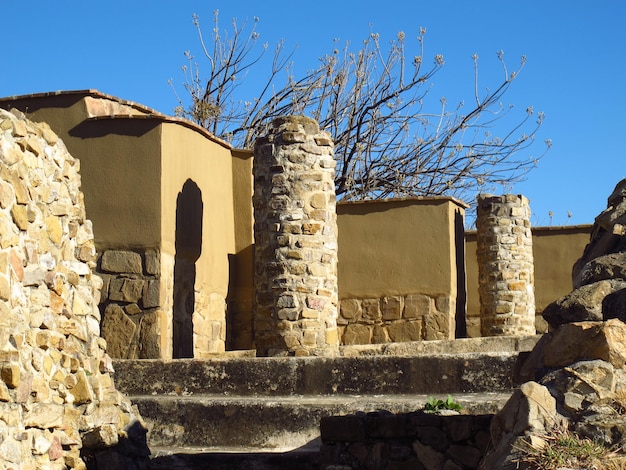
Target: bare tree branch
x=372, y=101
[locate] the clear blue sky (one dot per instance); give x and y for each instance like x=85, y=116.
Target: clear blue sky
x=575, y=70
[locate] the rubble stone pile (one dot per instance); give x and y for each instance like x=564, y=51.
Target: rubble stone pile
x=59, y=407
x=575, y=377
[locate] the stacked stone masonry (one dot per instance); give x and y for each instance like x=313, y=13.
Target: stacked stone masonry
x=505, y=265
x=413, y=317
x=295, y=240
x=404, y=441
x=130, y=303
x=59, y=407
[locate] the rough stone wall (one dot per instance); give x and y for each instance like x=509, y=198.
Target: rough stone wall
x=58, y=404
x=295, y=240
x=411, y=440
x=505, y=265
x=413, y=317
x=130, y=303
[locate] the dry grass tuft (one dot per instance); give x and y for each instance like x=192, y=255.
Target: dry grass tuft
x=564, y=449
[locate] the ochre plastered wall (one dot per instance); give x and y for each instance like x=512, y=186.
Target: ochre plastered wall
x=555, y=250
x=397, y=247
x=190, y=156
x=117, y=188
x=401, y=270
x=241, y=286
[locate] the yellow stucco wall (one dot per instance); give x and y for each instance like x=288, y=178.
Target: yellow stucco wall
x=397, y=247
x=119, y=168
x=187, y=154
x=555, y=250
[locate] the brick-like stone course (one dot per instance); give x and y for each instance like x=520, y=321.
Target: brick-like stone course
x=59, y=407
x=404, y=441
x=413, y=317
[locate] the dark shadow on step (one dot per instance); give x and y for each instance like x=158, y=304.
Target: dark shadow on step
x=303, y=458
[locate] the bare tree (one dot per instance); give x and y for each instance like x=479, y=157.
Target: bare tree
x=373, y=102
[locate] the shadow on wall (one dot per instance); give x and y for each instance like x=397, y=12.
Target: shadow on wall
x=189, y=210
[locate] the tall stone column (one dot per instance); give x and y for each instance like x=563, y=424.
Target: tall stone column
x=295, y=234
x=505, y=266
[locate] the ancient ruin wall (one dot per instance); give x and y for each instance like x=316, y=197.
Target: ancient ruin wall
x=58, y=404
x=295, y=240
x=505, y=263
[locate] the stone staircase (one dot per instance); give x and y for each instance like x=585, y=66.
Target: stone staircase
x=264, y=413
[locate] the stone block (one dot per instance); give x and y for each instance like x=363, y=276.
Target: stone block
x=380, y=335
x=153, y=263
x=371, y=312
x=118, y=330
x=126, y=290
x=417, y=305
x=357, y=334
x=151, y=294
x=405, y=331
x=349, y=311
x=392, y=307
x=438, y=326
x=118, y=261
x=10, y=374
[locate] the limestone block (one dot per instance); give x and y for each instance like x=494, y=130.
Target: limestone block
x=118, y=261
x=438, y=326
x=392, y=307
x=10, y=374
x=18, y=212
x=380, y=334
x=357, y=334
x=371, y=312
x=81, y=390
x=153, y=263
x=5, y=395
x=44, y=416
x=417, y=305
x=126, y=290
x=150, y=335
x=5, y=288
x=118, y=330
x=405, y=331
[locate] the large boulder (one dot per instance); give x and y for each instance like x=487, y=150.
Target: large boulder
x=575, y=377
x=574, y=342
x=593, y=302
x=607, y=237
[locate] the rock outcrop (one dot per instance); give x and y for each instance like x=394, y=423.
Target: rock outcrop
x=59, y=407
x=575, y=377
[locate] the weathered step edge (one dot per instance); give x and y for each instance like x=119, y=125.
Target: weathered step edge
x=279, y=423
x=422, y=374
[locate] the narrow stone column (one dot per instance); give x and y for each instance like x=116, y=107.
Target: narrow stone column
x=295, y=234
x=505, y=266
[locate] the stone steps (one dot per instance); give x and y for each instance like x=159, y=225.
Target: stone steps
x=271, y=423
x=264, y=413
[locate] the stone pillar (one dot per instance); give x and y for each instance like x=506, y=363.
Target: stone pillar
x=505, y=266
x=295, y=234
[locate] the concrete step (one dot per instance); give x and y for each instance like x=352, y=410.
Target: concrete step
x=264, y=413
x=272, y=423
x=363, y=375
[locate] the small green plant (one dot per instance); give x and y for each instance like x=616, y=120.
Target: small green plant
x=434, y=404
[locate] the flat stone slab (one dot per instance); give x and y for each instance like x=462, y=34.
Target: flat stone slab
x=423, y=374
x=277, y=423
